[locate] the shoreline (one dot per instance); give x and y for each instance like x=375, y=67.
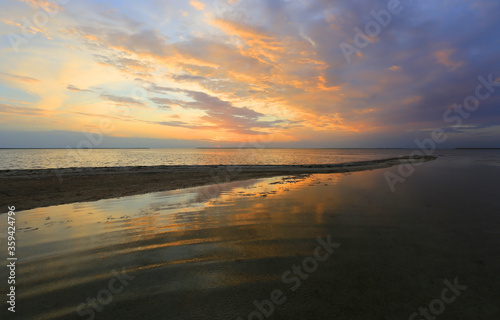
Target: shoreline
x=28, y=189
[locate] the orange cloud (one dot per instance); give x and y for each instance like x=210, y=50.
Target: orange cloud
x=444, y=57
x=91, y=37
x=197, y=4
x=30, y=28
x=281, y=77
x=44, y=4
x=260, y=45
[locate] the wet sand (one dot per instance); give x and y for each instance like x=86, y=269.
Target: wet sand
x=46, y=187
x=189, y=256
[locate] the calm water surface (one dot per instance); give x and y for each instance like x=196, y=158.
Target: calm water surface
x=61, y=158
x=209, y=252
x=11, y=159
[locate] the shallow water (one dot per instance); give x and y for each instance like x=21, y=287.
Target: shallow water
x=209, y=252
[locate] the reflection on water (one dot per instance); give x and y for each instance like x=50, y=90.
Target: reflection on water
x=208, y=252
x=67, y=247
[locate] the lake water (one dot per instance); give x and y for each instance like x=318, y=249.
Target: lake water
x=61, y=158
x=11, y=159
x=193, y=256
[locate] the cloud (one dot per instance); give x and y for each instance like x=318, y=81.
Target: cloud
x=188, y=77
x=75, y=89
x=220, y=114
x=269, y=66
x=15, y=101
x=122, y=100
x=26, y=28
x=132, y=41
x=49, y=6
x=181, y=124
x=63, y=139
x=132, y=66
x=198, y=5
x=162, y=103
x=25, y=111
x=444, y=57
x=20, y=78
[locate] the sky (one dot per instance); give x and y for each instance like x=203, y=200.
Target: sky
x=266, y=73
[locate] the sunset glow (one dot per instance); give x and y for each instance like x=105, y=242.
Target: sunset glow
x=222, y=72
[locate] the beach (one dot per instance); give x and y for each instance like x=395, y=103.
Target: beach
x=45, y=187
x=249, y=160
x=205, y=253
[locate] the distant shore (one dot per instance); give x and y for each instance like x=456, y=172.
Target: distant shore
x=28, y=189
x=477, y=148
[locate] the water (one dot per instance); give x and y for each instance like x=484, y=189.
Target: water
x=11, y=159
x=199, y=257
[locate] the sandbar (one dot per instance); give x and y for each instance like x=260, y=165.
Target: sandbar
x=28, y=189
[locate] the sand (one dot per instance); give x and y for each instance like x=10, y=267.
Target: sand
x=194, y=257
x=28, y=189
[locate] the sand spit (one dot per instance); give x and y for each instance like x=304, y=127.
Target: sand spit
x=28, y=189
